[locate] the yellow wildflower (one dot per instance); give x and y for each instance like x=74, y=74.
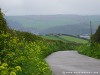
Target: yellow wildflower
x=12, y=73
x=2, y=67
x=18, y=68
x=5, y=64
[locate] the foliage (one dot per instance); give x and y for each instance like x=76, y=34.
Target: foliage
x=27, y=55
x=96, y=36
x=92, y=51
x=22, y=53
x=27, y=36
x=7, y=54
x=3, y=24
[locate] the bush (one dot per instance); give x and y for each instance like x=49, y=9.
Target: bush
x=27, y=55
x=92, y=51
x=3, y=24
x=22, y=53
x=96, y=36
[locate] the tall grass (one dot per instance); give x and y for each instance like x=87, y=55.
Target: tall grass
x=92, y=50
x=22, y=53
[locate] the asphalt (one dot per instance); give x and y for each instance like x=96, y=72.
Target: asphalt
x=73, y=63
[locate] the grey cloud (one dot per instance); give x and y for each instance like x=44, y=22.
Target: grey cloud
x=32, y=7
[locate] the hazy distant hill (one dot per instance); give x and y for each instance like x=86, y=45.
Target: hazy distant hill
x=69, y=29
x=68, y=24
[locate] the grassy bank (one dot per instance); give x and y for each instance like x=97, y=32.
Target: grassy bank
x=92, y=50
x=23, y=53
x=65, y=38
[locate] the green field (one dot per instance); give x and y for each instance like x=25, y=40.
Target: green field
x=51, y=37
x=66, y=38
x=69, y=38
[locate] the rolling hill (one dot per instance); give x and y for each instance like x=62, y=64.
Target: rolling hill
x=65, y=38
x=44, y=24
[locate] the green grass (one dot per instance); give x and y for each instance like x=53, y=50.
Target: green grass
x=28, y=51
x=51, y=37
x=65, y=39
x=92, y=50
x=73, y=39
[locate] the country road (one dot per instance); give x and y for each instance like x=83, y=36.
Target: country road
x=73, y=63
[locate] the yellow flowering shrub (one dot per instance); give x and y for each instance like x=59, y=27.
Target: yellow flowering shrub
x=23, y=53
x=19, y=56
x=12, y=73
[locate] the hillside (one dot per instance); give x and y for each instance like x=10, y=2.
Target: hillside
x=65, y=38
x=23, y=53
x=44, y=24
x=75, y=29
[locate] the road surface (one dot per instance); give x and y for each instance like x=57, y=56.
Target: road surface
x=73, y=63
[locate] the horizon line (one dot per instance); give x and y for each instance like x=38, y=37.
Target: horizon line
x=56, y=14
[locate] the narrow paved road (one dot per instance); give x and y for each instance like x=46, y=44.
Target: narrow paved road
x=72, y=63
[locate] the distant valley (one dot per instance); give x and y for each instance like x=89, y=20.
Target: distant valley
x=55, y=24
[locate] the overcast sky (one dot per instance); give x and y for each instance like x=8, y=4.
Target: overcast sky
x=45, y=7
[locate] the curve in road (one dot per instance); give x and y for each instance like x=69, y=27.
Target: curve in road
x=73, y=63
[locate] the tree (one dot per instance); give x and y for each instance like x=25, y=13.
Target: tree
x=3, y=23
x=96, y=36
x=3, y=29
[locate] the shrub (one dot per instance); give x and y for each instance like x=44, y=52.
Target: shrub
x=92, y=51
x=96, y=36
